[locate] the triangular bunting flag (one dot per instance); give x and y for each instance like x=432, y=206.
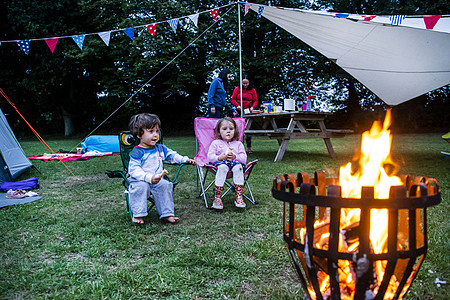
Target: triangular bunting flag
x=79, y=39
x=214, y=13
x=430, y=21
x=397, y=19
x=246, y=8
x=24, y=45
x=368, y=18
x=173, y=23
x=341, y=15
x=51, y=43
x=105, y=36
x=260, y=11
x=194, y=19
x=152, y=28
x=129, y=32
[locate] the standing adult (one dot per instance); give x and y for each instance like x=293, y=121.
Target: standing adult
x=249, y=101
x=217, y=95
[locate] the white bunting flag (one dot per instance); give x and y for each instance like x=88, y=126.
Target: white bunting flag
x=105, y=36
x=194, y=19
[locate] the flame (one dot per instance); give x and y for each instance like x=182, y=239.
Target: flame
x=375, y=169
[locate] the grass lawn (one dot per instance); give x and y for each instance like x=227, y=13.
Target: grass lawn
x=77, y=242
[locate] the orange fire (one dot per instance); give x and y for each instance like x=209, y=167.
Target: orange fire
x=376, y=169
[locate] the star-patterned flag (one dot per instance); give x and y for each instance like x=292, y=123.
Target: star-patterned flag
x=260, y=11
x=173, y=23
x=247, y=8
x=214, y=13
x=79, y=39
x=129, y=32
x=51, y=43
x=194, y=19
x=24, y=45
x=430, y=21
x=152, y=29
x=397, y=19
x=105, y=36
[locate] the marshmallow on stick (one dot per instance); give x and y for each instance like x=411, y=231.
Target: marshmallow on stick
x=230, y=149
x=164, y=172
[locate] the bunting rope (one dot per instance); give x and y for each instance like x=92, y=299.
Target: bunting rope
x=154, y=76
x=34, y=131
x=106, y=35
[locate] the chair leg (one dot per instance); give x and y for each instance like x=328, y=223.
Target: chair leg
x=251, y=198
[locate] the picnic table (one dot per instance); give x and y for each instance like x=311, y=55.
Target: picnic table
x=270, y=125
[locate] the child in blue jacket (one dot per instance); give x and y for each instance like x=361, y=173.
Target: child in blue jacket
x=146, y=170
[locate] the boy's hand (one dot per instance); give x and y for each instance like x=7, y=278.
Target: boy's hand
x=156, y=178
x=191, y=161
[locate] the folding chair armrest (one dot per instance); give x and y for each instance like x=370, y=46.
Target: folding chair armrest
x=178, y=171
x=252, y=163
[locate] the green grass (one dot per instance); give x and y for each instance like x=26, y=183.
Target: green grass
x=77, y=242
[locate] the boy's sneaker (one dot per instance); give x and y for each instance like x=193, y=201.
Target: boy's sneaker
x=239, y=203
x=217, y=204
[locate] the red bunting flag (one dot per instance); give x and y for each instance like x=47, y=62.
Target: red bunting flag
x=430, y=21
x=51, y=43
x=214, y=13
x=152, y=29
x=368, y=18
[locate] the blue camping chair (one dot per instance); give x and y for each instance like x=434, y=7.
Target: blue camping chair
x=127, y=142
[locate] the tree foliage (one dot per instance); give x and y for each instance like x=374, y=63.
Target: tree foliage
x=73, y=90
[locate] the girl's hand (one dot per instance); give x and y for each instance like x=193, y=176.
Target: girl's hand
x=222, y=157
x=213, y=110
x=156, y=178
x=231, y=156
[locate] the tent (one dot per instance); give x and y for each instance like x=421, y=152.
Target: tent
x=13, y=160
x=396, y=57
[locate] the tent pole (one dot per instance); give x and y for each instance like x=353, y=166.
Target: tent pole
x=240, y=56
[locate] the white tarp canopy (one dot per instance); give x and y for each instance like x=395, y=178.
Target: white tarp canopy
x=396, y=62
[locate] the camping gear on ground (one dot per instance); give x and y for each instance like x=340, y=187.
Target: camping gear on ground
x=13, y=201
x=13, y=160
x=101, y=143
x=27, y=184
x=204, y=133
x=127, y=142
x=65, y=156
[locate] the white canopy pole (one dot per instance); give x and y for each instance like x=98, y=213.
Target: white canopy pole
x=240, y=56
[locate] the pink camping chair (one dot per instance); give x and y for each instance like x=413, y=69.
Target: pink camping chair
x=204, y=133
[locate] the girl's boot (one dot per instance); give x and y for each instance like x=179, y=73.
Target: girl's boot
x=239, y=188
x=217, y=204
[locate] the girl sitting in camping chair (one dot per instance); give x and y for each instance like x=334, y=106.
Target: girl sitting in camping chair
x=227, y=153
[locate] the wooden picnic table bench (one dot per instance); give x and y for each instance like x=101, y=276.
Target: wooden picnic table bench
x=269, y=125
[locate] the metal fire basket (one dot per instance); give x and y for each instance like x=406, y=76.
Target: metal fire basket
x=310, y=201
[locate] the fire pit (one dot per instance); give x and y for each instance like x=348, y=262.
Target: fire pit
x=351, y=239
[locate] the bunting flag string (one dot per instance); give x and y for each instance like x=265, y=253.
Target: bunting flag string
x=51, y=42
x=430, y=22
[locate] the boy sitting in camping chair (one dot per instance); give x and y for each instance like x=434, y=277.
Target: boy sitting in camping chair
x=146, y=170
